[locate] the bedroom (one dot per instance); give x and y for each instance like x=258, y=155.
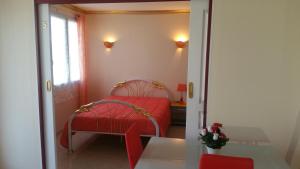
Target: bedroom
x=133, y=42
x=254, y=78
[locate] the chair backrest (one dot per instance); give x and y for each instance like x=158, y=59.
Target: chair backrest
x=133, y=145
x=209, y=161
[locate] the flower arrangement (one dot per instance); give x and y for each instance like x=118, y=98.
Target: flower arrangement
x=212, y=136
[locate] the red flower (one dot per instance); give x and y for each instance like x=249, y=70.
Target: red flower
x=217, y=125
x=214, y=129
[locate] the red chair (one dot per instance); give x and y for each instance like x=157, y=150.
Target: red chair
x=209, y=161
x=133, y=145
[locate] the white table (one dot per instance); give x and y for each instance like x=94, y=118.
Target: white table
x=170, y=153
x=246, y=135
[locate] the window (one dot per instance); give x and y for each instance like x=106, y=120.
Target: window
x=65, y=50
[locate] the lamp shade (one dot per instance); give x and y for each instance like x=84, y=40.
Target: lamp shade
x=180, y=44
x=108, y=44
x=181, y=87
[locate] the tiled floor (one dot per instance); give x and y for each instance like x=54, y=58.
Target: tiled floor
x=102, y=152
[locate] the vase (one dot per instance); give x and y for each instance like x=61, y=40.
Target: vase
x=212, y=151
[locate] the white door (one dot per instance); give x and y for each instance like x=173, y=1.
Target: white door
x=47, y=79
x=196, y=67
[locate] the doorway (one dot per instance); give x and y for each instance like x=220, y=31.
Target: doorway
x=193, y=106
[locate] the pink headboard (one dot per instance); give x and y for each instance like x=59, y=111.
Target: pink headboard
x=140, y=88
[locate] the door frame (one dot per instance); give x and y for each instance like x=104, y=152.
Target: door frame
x=97, y=1
x=38, y=56
x=208, y=47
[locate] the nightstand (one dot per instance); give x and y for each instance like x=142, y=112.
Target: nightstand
x=178, y=114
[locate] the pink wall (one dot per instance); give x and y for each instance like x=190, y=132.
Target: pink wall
x=144, y=48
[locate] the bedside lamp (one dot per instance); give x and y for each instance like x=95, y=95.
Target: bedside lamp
x=181, y=88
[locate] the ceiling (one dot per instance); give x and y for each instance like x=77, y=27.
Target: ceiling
x=139, y=6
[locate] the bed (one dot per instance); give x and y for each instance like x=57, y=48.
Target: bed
x=145, y=103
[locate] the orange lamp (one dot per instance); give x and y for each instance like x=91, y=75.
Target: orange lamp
x=181, y=88
x=180, y=44
x=108, y=44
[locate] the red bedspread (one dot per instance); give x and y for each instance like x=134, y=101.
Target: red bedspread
x=112, y=118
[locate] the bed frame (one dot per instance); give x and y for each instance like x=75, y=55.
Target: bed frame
x=140, y=88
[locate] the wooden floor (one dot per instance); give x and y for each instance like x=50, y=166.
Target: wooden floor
x=102, y=152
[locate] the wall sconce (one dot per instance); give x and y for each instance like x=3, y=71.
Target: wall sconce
x=180, y=44
x=181, y=40
x=108, y=45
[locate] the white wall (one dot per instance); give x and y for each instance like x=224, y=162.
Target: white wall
x=20, y=145
x=250, y=80
x=293, y=43
x=145, y=48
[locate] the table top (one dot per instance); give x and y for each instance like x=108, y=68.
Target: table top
x=165, y=153
x=246, y=135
